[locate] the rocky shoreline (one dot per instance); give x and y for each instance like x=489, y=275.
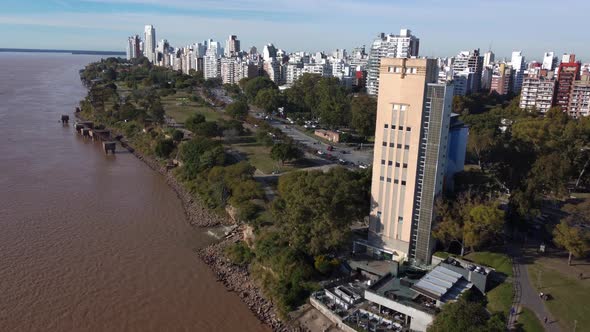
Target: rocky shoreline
x=234, y=278
x=237, y=279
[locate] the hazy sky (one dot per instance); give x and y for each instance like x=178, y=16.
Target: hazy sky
x=444, y=27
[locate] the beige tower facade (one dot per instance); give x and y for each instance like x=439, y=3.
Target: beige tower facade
x=413, y=116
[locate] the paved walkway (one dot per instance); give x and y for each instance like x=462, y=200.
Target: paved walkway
x=526, y=295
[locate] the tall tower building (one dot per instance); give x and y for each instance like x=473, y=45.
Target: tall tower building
x=404, y=45
x=149, y=47
x=232, y=46
x=518, y=67
x=488, y=58
x=411, y=138
x=567, y=74
x=549, y=61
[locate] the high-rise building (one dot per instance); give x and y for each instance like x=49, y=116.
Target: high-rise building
x=133, y=47
x=518, y=67
x=502, y=79
x=269, y=52
x=232, y=46
x=149, y=47
x=488, y=58
x=568, y=58
x=234, y=69
x=411, y=136
x=579, y=103
x=538, y=91
x=272, y=69
x=549, y=61
x=567, y=73
x=211, y=60
x=467, y=68
x=404, y=45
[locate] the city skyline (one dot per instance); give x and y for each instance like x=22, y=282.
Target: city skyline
x=305, y=25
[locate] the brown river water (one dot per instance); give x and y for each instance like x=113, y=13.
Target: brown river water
x=90, y=242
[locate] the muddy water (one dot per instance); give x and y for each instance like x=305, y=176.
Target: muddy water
x=89, y=242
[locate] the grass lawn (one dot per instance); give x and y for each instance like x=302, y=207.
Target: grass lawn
x=179, y=107
x=528, y=321
x=259, y=157
x=500, y=298
x=498, y=261
x=569, y=296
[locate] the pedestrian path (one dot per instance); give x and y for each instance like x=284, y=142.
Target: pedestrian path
x=525, y=295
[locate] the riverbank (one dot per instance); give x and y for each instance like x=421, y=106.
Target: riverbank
x=233, y=277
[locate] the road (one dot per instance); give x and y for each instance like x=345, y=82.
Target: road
x=350, y=155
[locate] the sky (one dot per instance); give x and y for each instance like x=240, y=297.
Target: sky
x=444, y=26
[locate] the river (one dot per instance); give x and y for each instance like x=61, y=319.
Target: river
x=90, y=242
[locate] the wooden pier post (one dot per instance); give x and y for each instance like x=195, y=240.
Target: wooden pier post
x=109, y=146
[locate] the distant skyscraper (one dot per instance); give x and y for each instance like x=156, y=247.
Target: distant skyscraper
x=468, y=68
x=212, y=63
x=133, y=47
x=404, y=45
x=488, y=58
x=568, y=58
x=149, y=47
x=409, y=160
x=502, y=79
x=549, y=61
x=567, y=74
x=269, y=52
x=518, y=67
x=232, y=46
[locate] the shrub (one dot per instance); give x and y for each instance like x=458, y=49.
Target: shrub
x=164, y=148
x=177, y=135
x=239, y=254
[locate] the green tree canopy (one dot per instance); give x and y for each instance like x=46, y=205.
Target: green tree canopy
x=466, y=316
x=268, y=99
x=200, y=154
x=253, y=86
x=193, y=121
x=363, y=111
x=237, y=110
x=315, y=209
x=285, y=152
x=572, y=232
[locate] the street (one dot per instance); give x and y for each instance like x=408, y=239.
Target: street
x=348, y=154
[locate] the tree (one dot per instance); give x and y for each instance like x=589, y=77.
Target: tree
x=285, y=151
x=207, y=129
x=177, y=135
x=253, y=86
x=485, y=223
x=480, y=143
x=315, y=209
x=193, y=121
x=363, y=111
x=156, y=111
x=164, y=148
x=263, y=137
x=200, y=154
x=268, y=99
x=571, y=233
x=237, y=110
x=465, y=316
x=334, y=105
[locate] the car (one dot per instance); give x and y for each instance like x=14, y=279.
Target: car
x=330, y=148
x=363, y=166
x=320, y=152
